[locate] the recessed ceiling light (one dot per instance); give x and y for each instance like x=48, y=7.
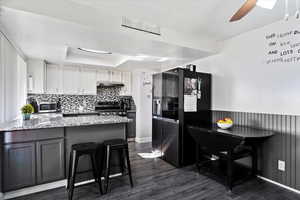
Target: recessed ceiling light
x=94, y=51
x=162, y=59
x=268, y=4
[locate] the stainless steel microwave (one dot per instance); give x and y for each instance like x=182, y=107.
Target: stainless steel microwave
x=47, y=107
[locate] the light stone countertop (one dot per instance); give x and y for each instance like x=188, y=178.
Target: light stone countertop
x=54, y=120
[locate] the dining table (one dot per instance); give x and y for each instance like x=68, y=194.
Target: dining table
x=233, y=143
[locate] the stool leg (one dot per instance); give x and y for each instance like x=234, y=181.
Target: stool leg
x=95, y=172
x=107, y=169
x=121, y=160
x=128, y=166
x=73, y=174
x=70, y=169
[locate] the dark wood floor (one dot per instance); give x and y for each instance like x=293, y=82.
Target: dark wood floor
x=156, y=180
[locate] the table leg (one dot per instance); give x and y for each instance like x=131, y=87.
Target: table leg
x=230, y=171
x=254, y=160
x=197, y=157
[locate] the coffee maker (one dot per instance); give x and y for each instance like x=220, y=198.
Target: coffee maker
x=32, y=101
x=125, y=103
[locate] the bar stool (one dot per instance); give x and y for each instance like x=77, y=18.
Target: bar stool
x=120, y=146
x=77, y=151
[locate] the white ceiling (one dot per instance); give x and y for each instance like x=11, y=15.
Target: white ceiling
x=44, y=29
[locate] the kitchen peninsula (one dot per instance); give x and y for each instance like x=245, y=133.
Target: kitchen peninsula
x=36, y=151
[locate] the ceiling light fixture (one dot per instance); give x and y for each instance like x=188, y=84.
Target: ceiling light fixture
x=162, y=59
x=268, y=4
x=287, y=15
x=94, y=51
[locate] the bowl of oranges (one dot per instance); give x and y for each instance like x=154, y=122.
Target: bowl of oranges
x=225, y=123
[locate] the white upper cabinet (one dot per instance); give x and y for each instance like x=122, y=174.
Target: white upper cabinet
x=126, y=80
x=116, y=76
x=79, y=80
x=71, y=80
x=103, y=75
x=54, y=79
x=36, y=76
x=88, y=81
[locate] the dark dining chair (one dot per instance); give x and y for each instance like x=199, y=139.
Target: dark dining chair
x=228, y=149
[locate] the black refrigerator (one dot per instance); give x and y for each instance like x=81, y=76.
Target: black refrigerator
x=180, y=98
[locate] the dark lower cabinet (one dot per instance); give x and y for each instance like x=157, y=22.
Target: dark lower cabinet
x=165, y=139
x=131, y=127
x=32, y=157
x=50, y=160
x=19, y=166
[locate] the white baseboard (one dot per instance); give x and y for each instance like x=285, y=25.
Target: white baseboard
x=44, y=187
x=143, y=140
x=63, y=183
x=34, y=189
x=279, y=184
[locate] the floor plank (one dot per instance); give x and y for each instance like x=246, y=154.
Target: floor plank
x=154, y=179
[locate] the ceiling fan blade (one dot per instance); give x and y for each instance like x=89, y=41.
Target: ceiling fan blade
x=244, y=10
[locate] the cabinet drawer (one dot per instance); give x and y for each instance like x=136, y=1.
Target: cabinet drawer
x=33, y=135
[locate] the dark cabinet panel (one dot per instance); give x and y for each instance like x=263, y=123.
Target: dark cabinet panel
x=50, y=160
x=19, y=166
x=165, y=138
x=33, y=135
x=169, y=104
x=156, y=134
x=131, y=127
x=170, y=141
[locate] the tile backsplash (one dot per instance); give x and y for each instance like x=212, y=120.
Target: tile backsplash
x=72, y=103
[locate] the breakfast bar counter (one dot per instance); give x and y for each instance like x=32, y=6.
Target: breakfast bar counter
x=37, y=151
x=44, y=121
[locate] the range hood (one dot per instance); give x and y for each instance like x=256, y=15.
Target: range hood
x=109, y=84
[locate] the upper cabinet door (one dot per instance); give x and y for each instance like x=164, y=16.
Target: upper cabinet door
x=54, y=79
x=126, y=80
x=71, y=80
x=88, y=82
x=103, y=75
x=116, y=76
x=36, y=76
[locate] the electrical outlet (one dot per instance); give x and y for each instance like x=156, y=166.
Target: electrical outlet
x=281, y=165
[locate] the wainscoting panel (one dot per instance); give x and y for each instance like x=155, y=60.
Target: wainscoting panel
x=285, y=145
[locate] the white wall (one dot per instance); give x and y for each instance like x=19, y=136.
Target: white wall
x=2, y=81
x=243, y=81
x=13, y=81
x=142, y=95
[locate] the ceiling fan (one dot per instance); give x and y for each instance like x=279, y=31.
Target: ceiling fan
x=249, y=5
